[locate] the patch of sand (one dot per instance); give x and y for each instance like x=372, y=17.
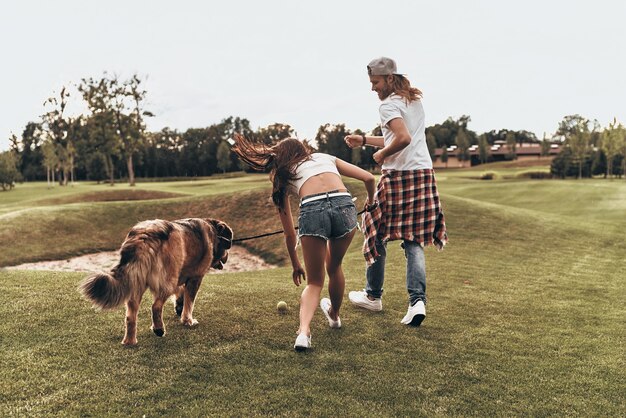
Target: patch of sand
x=239, y=259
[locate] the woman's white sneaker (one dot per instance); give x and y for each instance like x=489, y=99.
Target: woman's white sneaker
x=325, y=305
x=303, y=342
x=415, y=314
x=360, y=299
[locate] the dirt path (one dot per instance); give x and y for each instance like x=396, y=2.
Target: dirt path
x=239, y=259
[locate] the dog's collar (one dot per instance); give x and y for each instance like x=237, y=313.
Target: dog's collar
x=228, y=241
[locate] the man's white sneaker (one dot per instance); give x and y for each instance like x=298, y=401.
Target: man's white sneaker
x=303, y=342
x=360, y=299
x=325, y=305
x=415, y=314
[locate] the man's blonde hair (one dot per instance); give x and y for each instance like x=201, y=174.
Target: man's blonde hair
x=402, y=87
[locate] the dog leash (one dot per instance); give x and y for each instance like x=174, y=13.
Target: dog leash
x=273, y=233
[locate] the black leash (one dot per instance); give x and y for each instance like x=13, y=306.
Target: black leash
x=273, y=233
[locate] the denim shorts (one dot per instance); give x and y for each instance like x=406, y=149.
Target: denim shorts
x=328, y=218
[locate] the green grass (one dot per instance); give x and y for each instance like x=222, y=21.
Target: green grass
x=525, y=318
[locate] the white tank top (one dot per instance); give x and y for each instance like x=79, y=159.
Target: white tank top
x=319, y=163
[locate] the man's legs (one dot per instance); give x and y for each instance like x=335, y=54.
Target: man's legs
x=415, y=283
x=415, y=271
x=370, y=297
x=375, y=274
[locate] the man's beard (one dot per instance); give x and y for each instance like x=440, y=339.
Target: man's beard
x=386, y=92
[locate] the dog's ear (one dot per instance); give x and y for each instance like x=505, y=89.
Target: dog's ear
x=223, y=231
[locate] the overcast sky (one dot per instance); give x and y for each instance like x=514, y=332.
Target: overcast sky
x=514, y=65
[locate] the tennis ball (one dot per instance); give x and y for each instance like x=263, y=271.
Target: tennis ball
x=282, y=306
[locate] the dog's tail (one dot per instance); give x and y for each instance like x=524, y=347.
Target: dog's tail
x=105, y=290
x=109, y=290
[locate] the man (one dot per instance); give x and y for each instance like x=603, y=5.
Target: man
x=407, y=203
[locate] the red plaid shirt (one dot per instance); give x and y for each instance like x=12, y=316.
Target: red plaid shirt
x=408, y=208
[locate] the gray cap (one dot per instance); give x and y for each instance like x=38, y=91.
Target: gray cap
x=382, y=66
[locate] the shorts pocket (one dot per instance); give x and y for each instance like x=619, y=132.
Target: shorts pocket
x=348, y=216
x=311, y=222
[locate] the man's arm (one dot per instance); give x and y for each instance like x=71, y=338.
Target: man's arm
x=401, y=140
x=354, y=141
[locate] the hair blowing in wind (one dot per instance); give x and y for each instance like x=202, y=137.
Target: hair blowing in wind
x=281, y=160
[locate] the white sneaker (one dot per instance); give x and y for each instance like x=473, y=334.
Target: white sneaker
x=415, y=314
x=325, y=305
x=303, y=342
x=360, y=299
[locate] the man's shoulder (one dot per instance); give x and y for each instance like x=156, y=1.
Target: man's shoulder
x=391, y=103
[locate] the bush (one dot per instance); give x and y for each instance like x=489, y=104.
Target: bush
x=534, y=175
x=488, y=175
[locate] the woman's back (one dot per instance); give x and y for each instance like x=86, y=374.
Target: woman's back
x=317, y=174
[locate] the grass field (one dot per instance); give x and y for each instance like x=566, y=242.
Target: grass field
x=526, y=313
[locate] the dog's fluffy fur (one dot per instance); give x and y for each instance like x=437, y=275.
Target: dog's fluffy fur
x=169, y=258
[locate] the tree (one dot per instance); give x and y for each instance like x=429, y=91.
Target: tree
x=623, y=154
x=272, y=134
x=445, y=133
x=561, y=164
x=546, y=145
x=484, y=149
x=611, y=143
x=101, y=123
x=511, y=144
x=463, y=144
x=329, y=140
x=8, y=170
x=223, y=156
x=56, y=127
x=579, y=142
x=28, y=151
x=444, y=156
x=50, y=160
x=127, y=99
x=598, y=163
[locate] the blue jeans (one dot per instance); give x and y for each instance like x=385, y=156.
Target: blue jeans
x=415, y=271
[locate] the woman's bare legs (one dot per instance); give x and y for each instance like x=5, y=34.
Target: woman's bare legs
x=337, y=248
x=318, y=253
x=314, y=252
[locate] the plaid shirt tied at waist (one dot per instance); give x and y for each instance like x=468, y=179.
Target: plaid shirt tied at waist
x=408, y=208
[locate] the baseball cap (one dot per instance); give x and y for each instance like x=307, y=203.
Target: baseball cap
x=382, y=66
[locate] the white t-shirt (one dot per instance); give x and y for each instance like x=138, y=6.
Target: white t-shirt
x=415, y=156
x=317, y=164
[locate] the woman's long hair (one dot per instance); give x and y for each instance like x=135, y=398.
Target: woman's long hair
x=281, y=160
x=402, y=87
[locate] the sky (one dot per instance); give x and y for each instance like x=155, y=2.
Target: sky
x=508, y=65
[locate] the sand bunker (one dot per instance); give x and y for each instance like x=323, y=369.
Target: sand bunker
x=239, y=259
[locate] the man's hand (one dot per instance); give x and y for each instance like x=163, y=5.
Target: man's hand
x=379, y=156
x=353, y=141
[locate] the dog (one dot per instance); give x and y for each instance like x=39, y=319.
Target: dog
x=168, y=257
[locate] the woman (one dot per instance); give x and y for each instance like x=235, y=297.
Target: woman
x=326, y=224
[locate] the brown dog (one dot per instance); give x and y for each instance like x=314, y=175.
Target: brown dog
x=169, y=258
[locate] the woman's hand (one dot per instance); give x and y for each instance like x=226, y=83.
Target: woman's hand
x=298, y=275
x=353, y=141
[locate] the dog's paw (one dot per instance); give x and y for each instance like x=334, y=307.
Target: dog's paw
x=129, y=342
x=159, y=332
x=189, y=322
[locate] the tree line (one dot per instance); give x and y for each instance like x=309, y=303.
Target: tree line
x=590, y=150
x=110, y=142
